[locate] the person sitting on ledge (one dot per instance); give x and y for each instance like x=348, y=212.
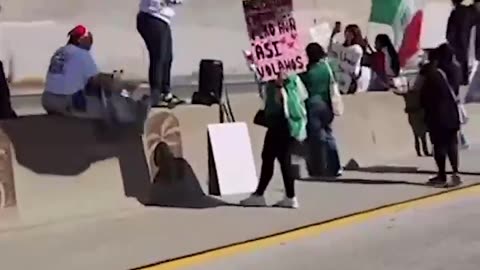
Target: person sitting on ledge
x=75, y=87
x=72, y=69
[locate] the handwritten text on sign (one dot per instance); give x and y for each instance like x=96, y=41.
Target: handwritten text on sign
x=274, y=38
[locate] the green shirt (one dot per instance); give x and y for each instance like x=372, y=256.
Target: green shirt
x=273, y=108
x=317, y=81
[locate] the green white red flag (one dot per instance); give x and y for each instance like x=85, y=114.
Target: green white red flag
x=406, y=19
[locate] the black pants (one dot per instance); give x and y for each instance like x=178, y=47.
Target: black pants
x=277, y=145
x=461, y=54
x=158, y=38
x=445, y=143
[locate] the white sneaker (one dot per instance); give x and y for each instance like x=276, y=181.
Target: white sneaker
x=288, y=203
x=254, y=201
x=456, y=180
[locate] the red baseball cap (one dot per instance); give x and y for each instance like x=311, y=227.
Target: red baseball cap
x=78, y=32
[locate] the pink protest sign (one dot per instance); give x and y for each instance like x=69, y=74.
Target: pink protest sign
x=274, y=38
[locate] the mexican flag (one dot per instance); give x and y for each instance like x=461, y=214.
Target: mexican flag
x=406, y=19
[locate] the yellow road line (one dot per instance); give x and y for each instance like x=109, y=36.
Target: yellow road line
x=311, y=230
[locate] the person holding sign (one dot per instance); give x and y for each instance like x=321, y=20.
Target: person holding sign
x=283, y=122
x=323, y=154
x=354, y=75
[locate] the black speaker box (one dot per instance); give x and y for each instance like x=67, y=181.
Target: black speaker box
x=210, y=83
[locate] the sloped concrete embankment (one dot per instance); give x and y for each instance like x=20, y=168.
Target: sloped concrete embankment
x=32, y=30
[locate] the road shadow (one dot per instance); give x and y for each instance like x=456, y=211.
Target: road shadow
x=361, y=181
x=176, y=184
x=402, y=170
x=61, y=146
x=65, y=146
x=354, y=166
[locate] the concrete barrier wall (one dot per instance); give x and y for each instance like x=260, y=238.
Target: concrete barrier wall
x=373, y=129
x=58, y=167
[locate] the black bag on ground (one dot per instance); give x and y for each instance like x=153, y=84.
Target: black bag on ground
x=210, y=83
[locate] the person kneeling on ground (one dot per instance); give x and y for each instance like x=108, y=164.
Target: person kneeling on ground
x=74, y=85
x=285, y=122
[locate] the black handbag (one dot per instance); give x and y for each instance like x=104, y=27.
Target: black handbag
x=260, y=118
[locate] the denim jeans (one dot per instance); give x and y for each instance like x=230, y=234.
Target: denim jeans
x=323, y=158
x=158, y=39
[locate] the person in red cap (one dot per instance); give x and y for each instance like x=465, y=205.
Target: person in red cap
x=71, y=69
x=75, y=87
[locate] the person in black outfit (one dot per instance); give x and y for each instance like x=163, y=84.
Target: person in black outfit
x=277, y=146
x=439, y=99
x=6, y=110
x=153, y=25
x=459, y=28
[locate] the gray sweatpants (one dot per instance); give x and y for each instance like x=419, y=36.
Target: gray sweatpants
x=121, y=109
x=63, y=105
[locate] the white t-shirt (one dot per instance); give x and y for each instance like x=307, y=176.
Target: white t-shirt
x=70, y=69
x=349, y=62
x=159, y=8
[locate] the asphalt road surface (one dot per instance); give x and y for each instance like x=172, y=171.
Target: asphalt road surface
x=436, y=237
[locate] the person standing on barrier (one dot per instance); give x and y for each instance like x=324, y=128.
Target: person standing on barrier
x=459, y=26
x=153, y=24
x=323, y=158
x=439, y=98
x=6, y=110
x=277, y=145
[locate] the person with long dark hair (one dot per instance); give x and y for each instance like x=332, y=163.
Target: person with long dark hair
x=323, y=158
x=153, y=24
x=439, y=98
x=354, y=75
x=385, y=64
x=278, y=141
x=6, y=110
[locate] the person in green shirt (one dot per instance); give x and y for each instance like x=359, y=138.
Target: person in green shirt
x=323, y=158
x=277, y=144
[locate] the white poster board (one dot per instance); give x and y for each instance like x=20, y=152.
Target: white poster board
x=320, y=33
x=232, y=167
